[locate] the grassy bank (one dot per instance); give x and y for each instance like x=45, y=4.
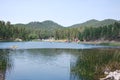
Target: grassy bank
x=6, y=40
x=111, y=43
x=106, y=43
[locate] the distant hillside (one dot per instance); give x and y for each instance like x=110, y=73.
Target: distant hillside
x=95, y=23
x=40, y=25
x=87, y=23
x=50, y=25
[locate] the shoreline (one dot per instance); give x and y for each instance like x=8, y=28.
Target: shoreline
x=106, y=43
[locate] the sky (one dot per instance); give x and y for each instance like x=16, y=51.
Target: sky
x=64, y=12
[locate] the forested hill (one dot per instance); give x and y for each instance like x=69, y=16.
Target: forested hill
x=48, y=24
x=108, y=30
x=95, y=23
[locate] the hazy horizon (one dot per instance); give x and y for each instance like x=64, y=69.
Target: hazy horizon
x=63, y=12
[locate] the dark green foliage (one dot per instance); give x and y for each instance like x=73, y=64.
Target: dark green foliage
x=5, y=60
x=110, y=32
x=9, y=32
x=49, y=29
x=95, y=23
x=33, y=36
x=91, y=64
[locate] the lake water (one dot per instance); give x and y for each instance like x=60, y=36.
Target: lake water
x=56, y=61
x=48, y=45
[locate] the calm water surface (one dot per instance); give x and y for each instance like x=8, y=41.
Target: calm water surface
x=50, y=61
x=51, y=45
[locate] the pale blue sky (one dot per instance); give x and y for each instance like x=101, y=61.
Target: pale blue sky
x=64, y=12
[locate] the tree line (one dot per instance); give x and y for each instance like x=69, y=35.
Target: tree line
x=11, y=32
x=110, y=32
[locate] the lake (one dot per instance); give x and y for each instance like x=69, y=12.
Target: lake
x=56, y=61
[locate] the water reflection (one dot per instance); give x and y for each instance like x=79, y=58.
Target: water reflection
x=57, y=64
x=40, y=64
x=5, y=63
x=91, y=64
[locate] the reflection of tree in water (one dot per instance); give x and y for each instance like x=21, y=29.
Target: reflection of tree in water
x=50, y=53
x=92, y=64
x=5, y=63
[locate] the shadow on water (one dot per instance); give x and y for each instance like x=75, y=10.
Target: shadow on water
x=5, y=63
x=91, y=64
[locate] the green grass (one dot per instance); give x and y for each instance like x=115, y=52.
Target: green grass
x=110, y=43
x=103, y=43
x=6, y=40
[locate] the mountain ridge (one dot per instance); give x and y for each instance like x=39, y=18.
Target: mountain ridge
x=49, y=24
x=95, y=23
